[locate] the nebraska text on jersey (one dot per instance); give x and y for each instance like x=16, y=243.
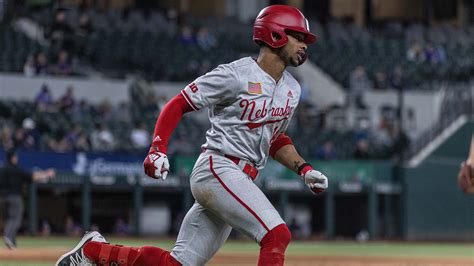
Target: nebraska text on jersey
x=243, y=121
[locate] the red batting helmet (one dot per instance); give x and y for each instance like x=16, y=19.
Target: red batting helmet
x=274, y=20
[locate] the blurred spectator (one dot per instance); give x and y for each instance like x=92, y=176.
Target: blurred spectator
x=81, y=111
x=415, y=53
x=104, y=111
x=383, y=134
x=60, y=32
x=434, y=54
x=71, y=228
x=82, y=33
x=295, y=228
x=44, y=99
x=31, y=136
x=67, y=101
x=411, y=125
x=139, y=137
x=326, y=152
x=63, y=65
x=45, y=228
x=122, y=113
x=77, y=139
x=121, y=227
x=23, y=138
x=380, y=81
x=205, y=40
x=102, y=139
x=362, y=150
x=187, y=37
x=396, y=80
x=41, y=64
x=162, y=101
x=359, y=84
x=29, y=68
x=6, y=138
x=362, y=130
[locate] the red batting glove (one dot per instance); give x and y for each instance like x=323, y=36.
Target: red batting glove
x=156, y=164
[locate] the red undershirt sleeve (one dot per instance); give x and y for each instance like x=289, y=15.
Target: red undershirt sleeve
x=280, y=141
x=168, y=120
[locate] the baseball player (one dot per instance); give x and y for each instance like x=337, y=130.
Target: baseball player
x=251, y=102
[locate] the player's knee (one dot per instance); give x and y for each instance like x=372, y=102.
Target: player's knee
x=279, y=236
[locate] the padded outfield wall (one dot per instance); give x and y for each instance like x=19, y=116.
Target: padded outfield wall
x=435, y=208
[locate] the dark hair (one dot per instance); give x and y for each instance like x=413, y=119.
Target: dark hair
x=9, y=154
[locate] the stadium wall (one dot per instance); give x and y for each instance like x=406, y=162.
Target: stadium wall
x=435, y=208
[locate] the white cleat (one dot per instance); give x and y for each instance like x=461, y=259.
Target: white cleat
x=76, y=257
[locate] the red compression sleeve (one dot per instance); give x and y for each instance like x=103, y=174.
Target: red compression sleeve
x=168, y=120
x=280, y=141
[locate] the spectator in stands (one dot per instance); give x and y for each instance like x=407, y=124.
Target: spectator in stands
x=71, y=228
x=433, y=54
x=31, y=135
x=29, y=68
x=380, y=81
x=102, y=139
x=82, y=32
x=396, y=79
x=60, y=144
x=104, y=111
x=60, y=32
x=67, y=101
x=121, y=227
x=63, y=64
x=362, y=150
x=326, y=152
x=81, y=111
x=45, y=228
x=411, y=124
x=359, y=84
x=41, y=64
x=205, y=39
x=140, y=137
x=44, y=99
x=7, y=138
x=295, y=228
x=415, y=53
x=121, y=113
x=187, y=37
x=77, y=139
x=21, y=140
x=362, y=130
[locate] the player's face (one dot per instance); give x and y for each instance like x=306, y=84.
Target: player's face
x=293, y=53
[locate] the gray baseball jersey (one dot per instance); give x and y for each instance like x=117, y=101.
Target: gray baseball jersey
x=247, y=109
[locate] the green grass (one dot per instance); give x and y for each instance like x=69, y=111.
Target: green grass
x=338, y=248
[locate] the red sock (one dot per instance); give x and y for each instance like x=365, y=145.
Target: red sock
x=273, y=246
x=104, y=254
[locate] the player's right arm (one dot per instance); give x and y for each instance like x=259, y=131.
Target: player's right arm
x=214, y=87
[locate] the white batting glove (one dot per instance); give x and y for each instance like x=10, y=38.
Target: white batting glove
x=316, y=181
x=156, y=165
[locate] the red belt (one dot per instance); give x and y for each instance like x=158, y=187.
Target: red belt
x=249, y=169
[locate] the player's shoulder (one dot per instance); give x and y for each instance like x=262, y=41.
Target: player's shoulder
x=291, y=81
x=242, y=62
x=234, y=66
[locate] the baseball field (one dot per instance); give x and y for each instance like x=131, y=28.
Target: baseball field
x=40, y=251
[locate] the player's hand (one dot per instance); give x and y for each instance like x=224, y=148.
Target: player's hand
x=156, y=165
x=316, y=181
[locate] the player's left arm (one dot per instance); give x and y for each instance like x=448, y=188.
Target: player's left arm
x=283, y=151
